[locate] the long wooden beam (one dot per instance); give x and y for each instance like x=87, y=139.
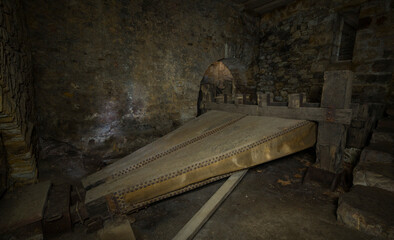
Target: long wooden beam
x=201, y=217
x=342, y=116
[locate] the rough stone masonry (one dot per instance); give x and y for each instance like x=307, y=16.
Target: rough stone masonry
x=111, y=76
x=16, y=91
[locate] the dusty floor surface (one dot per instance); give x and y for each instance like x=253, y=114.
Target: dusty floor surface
x=269, y=203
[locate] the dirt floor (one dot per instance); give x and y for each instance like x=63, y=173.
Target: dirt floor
x=269, y=203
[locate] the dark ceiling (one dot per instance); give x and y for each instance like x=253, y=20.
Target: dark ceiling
x=262, y=6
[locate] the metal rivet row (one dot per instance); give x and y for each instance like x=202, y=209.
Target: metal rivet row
x=209, y=161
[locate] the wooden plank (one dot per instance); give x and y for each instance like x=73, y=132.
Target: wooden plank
x=342, y=116
x=202, y=216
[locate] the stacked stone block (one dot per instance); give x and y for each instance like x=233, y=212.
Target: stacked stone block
x=16, y=106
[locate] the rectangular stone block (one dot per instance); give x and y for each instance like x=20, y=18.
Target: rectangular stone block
x=381, y=136
x=379, y=153
x=373, y=174
x=368, y=209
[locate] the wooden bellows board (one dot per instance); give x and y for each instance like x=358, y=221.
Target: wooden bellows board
x=203, y=150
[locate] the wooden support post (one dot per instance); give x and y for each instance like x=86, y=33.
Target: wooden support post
x=296, y=100
x=239, y=98
x=331, y=140
x=219, y=98
x=264, y=99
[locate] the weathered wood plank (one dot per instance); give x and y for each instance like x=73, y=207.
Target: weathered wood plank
x=331, y=140
x=342, y=116
x=202, y=216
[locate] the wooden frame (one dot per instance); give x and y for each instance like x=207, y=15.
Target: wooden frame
x=341, y=116
x=334, y=114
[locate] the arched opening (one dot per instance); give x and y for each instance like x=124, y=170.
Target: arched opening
x=225, y=81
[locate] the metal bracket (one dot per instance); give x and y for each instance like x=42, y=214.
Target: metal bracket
x=330, y=114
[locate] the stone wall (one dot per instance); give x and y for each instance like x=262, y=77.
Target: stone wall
x=298, y=44
x=374, y=53
x=111, y=76
x=295, y=49
x=16, y=91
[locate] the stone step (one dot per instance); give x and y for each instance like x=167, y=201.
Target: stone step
x=386, y=123
x=21, y=163
x=23, y=172
x=21, y=177
x=380, y=175
x=17, y=162
x=16, y=147
x=12, y=132
x=368, y=209
x=17, y=172
x=378, y=153
x=19, y=136
x=9, y=126
x=13, y=138
x=383, y=136
x=22, y=156
x=24, y=162
x=26, y=166
x=6, y=119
